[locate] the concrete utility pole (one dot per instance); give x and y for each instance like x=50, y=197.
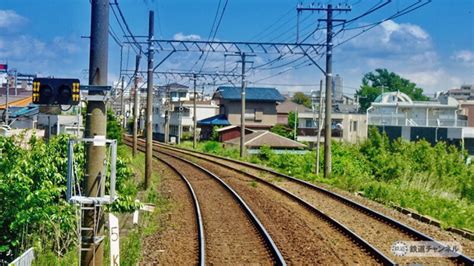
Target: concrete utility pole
x=295, y=126
x=329, y=34
x=194, y=112
x=96, y=126
x=149, y=103
x=136, y=102
x=122, y=104
x=242, y=113
x=167, y=115
x=7, y=111
x=320, y=118
x=328, y=122
x=243, y=57
x=15, y=84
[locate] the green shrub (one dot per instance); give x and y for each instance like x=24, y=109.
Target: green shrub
x=212, y=147
x=434, y=180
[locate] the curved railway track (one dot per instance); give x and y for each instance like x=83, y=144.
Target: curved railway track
x=197, y=209
x=303, y=233
x=228, y=231
x=378, y=230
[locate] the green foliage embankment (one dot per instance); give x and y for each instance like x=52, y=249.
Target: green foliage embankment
x=434, y=181
x=34, y=211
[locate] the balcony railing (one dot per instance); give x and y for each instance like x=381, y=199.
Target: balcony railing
x=396, y=120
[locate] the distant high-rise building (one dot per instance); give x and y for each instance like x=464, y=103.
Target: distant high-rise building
x=466, y=92
x=337, y=88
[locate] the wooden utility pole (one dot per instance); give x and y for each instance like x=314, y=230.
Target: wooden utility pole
x=136, y=102
x=149, y=103
x=96, y=126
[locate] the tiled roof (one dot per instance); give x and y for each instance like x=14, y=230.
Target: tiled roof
x=288, y=106
x=252, y=94
x=267, y=138
x=217, y=120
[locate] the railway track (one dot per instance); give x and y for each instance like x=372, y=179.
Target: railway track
x=228, y=231
x=379, y=230
x=304, y=234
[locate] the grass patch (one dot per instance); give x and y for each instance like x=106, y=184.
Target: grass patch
x=253, y=183
x=47, y=257
x=131, y=243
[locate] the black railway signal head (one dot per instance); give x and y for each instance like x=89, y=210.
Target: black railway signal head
x=55, y=91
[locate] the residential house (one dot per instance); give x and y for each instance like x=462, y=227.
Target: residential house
x=347, y=127
x=465, y=96
x=173, y=111
x=260, y=105
x=231, y=132
x=260, y=138
x=398, y=116
x=285, y=107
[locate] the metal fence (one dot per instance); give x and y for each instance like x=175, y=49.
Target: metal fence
x=26, y=259
x=397, y=120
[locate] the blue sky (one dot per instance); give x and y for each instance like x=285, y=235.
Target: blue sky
x=432, y=46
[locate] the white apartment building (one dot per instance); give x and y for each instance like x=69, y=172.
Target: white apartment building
x=347, y=127
x=399, y=117
x=397, y=109
x=176, y=100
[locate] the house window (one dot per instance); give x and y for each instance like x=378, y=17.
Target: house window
x=258, y=115
x=354, y=125
x=309, y=123
x=250, y=114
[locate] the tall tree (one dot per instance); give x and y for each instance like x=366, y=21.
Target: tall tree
x=374, y=83
x=301, y=98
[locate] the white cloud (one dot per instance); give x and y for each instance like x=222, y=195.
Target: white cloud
x=406, y=49
x=464, y=56
x=9, y=18
x=390, y=39
x=68, y=45
x=181, y=37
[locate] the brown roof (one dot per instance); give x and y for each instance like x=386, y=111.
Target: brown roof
x=267, y=138
x=288, y=106
x=232, y=127
x=197, y=102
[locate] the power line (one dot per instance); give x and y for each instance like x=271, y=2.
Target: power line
x=371, y=10
x=255, y=37
x=124, y=21
x=290, y=29
x=402, y=12
x=114, y=36
x=210, y=33
x=215, y=32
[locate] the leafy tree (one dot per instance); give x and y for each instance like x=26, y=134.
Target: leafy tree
x=301, y=98
x=33, y=208
x=292, y=120
x=282, y=130
x=214, y=133
x=114, y=130
x=381, y=79
x=286, y=131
